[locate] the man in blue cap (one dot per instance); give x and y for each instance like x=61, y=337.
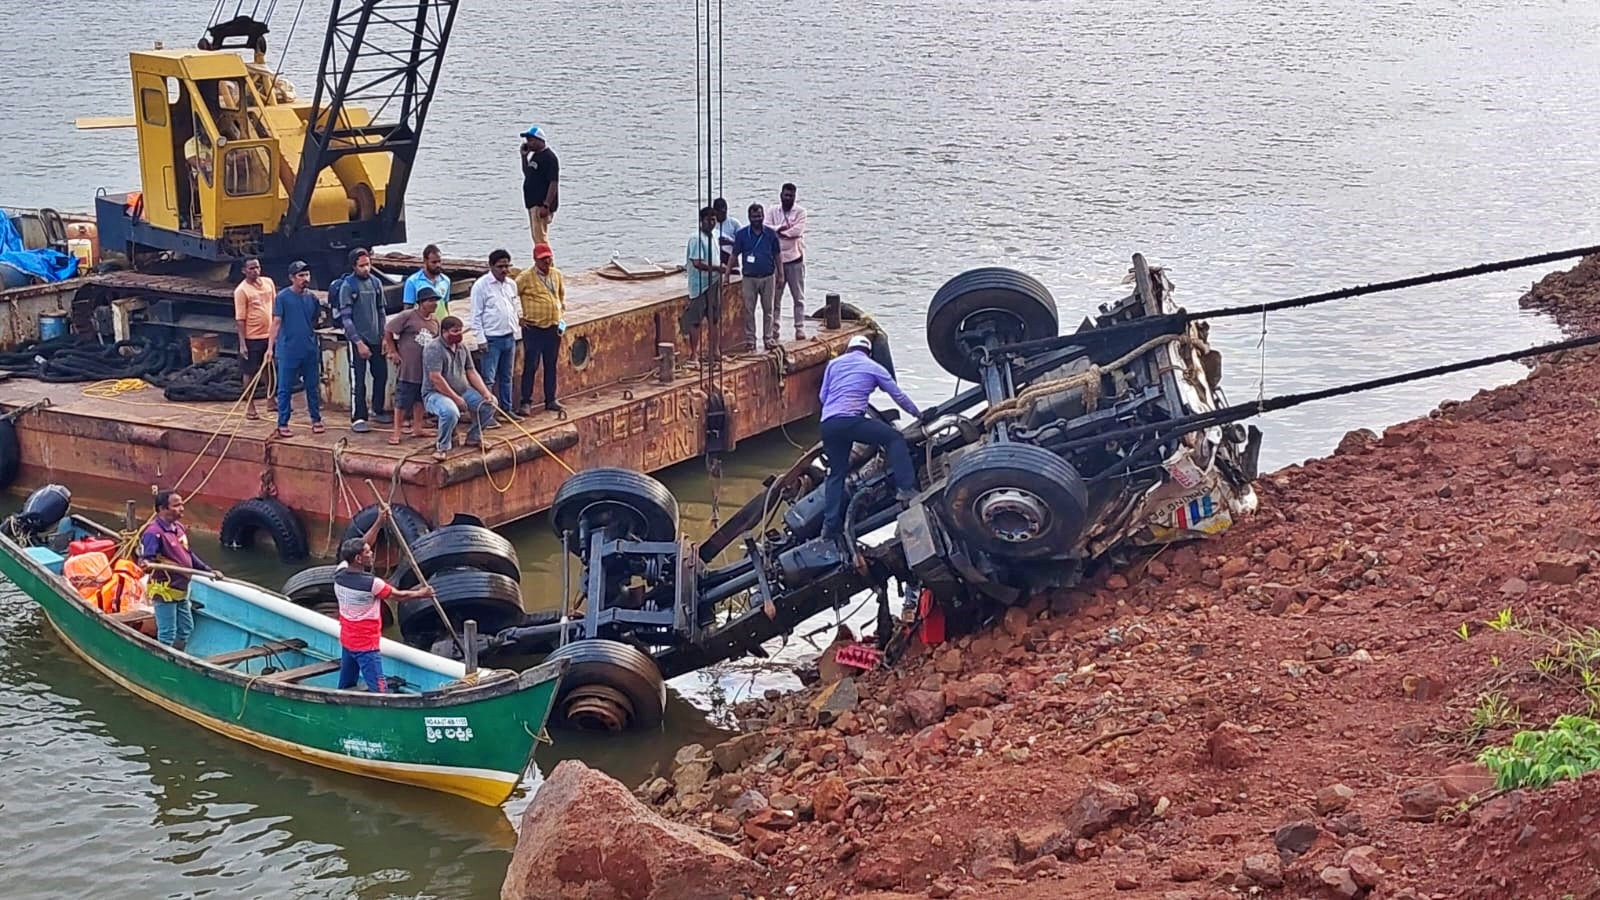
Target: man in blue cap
x=540, y=175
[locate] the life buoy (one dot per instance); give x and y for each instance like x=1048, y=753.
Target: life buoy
x=240, y=524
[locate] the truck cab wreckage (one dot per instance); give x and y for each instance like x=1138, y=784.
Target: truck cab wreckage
x=1070, y=449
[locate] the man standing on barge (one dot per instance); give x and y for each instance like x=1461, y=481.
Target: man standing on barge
x=789, y=220
x=252, y=314
x=361, y=314
x=541, y=175
x=165, y=540
x=293, y=343
x=704, y=268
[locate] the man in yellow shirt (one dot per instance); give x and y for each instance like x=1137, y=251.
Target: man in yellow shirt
x=544, y=307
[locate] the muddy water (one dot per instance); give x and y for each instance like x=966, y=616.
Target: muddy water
x=1256, y=152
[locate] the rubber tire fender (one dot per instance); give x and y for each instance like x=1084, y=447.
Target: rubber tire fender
x=1026, y=467
x=413, y=525
x=10, y=453
x=313, y=589
x=622, y=667
x=240, y=524
x=492, y=599
x=640, y=504
x=991, y=288
x=459, y=547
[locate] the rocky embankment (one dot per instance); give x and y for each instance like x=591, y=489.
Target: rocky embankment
x=1292, y=710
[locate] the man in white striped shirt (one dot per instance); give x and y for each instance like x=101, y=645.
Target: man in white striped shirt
x=789, y=220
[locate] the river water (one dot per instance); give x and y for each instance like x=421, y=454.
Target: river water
x=1258, y=151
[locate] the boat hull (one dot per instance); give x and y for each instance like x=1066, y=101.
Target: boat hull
x=474, y=741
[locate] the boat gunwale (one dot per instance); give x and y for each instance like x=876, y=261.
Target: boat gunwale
x=454, y=695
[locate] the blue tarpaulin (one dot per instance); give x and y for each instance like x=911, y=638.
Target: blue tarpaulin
x=44, y=264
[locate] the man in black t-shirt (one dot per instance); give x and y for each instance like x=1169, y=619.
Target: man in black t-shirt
x=540, y=173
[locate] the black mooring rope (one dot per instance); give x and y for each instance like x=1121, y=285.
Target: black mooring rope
x=1240, y=411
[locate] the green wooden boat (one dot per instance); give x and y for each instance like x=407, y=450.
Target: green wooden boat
x=264, y=671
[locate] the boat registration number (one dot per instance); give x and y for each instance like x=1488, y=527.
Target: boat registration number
x=453, y=728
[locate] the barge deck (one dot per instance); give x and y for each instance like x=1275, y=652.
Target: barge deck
x=622, y=409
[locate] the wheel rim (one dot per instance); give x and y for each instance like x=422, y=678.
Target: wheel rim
x=1003, y=322
x=1013, y=515
x=598, y=707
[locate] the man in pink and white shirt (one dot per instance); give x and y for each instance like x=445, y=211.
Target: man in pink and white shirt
x=789, y=220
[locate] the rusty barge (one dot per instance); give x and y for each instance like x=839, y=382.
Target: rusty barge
x=632, y=398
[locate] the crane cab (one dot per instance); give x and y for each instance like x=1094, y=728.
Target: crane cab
x=220, y=144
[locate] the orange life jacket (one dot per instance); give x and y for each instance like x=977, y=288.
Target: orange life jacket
x=125, y=589
x=87, y=573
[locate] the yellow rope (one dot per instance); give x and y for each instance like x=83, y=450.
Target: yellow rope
x=483, y=447
x=114, y=388
x=540, y=444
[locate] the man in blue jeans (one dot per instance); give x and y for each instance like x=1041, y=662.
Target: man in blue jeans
x=361, y=594
x=452, y=388
x=847, y=383
x=496, y=320
x=165, y=540
x=293, y=344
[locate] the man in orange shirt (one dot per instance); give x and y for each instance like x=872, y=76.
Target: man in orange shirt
x=252, y=313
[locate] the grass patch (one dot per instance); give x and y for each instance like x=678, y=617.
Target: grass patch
x=1569, y=748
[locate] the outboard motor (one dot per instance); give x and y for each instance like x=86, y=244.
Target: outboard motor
x=43, y=509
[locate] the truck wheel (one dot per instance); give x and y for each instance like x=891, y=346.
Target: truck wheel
x=1014, y=306
x=1017, y=501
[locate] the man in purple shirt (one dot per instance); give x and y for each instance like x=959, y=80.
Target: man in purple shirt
x=847, y=383
x=165, y=540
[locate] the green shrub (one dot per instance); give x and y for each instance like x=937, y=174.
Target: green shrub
x=1567, y=749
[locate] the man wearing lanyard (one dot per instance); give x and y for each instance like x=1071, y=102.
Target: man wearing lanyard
x=789, y=220
x=757, y=249
x=495, y=311
x=847, y=383
x=544, y=300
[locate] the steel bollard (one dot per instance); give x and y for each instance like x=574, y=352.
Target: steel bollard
x=832, y=316
x=667, y=357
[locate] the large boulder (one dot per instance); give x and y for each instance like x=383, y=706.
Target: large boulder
x=584, y=837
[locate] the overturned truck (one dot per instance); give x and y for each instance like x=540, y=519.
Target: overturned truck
x=1068, y=450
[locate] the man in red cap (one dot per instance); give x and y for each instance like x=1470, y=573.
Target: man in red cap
x=543, y=293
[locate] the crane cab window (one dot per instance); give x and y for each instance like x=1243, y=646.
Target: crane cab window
x=246, y=171
x=153, y=107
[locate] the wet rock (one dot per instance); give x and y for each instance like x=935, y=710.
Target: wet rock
x=1230, y=746
x=1334, y=798
x=1338, y=880
x=1263, y=869
x=731, y=755
x=1423, y=802
x=925, y=707
x=829, y=799
x=834, y=701
x=1294, y=838
x=585, y=836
